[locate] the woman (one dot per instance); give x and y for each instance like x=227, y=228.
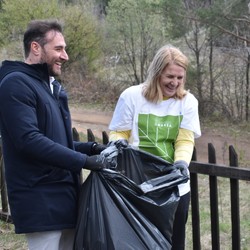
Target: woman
x=161, y=117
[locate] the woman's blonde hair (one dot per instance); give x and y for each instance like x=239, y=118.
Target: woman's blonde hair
x=166, y=55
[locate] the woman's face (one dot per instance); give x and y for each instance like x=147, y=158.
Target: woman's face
x=171, y=78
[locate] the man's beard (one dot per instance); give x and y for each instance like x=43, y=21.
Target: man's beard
x=49, y=65
x=51, y=71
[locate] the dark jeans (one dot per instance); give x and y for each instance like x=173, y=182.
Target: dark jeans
x=181, y=215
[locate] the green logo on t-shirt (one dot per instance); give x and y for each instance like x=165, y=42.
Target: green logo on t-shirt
x=157, y=134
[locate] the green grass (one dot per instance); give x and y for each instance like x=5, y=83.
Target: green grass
x=9, y=240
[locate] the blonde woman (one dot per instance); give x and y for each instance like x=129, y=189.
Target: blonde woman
x=161, y=117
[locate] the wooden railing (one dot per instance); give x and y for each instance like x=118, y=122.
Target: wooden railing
x=211, y=169
x=232, y=172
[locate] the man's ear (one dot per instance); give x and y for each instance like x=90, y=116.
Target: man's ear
x=35, y=48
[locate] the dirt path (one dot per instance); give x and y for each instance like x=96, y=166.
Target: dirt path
x=98, y=121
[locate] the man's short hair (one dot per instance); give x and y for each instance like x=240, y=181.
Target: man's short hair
x=37, y=30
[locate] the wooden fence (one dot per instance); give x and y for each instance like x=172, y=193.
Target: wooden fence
x=232, y=172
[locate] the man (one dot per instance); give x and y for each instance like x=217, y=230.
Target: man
x=42, y=163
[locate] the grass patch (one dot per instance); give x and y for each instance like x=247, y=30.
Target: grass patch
x=10, y=240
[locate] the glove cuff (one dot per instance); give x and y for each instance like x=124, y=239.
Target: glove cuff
x=181, y=162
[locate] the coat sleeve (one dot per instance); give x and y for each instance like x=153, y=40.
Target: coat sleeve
x=84, y=147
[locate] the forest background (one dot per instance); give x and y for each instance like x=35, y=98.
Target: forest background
x=111, y=43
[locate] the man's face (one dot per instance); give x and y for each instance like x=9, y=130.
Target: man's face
x=53, y=53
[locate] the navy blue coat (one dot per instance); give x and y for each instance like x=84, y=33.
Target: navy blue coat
x=42, y=164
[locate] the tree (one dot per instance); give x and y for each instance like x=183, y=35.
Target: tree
x=135, y=33
x=232, y=19
x=210, y=28
x=187, y=31
x=1, y=4
x=83, y=37
x=80, y=28
x=16, y=14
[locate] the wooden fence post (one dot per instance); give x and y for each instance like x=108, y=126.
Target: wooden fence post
x=195, y=207
x=105, y=137
x=3, y=187
x=76, y=136
x=90, y=135
x=4, y=198
x=235, y=210
x=213, y=189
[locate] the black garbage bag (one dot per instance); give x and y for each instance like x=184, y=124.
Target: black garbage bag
x=131, y=207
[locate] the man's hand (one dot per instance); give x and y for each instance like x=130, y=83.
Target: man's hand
x=97, y=148
x=95, y=162
x=183, y=166
x=110, y=154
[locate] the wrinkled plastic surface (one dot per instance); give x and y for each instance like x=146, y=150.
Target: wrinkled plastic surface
x=131, y=207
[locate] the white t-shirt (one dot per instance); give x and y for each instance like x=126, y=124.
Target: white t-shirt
x=154, y=126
